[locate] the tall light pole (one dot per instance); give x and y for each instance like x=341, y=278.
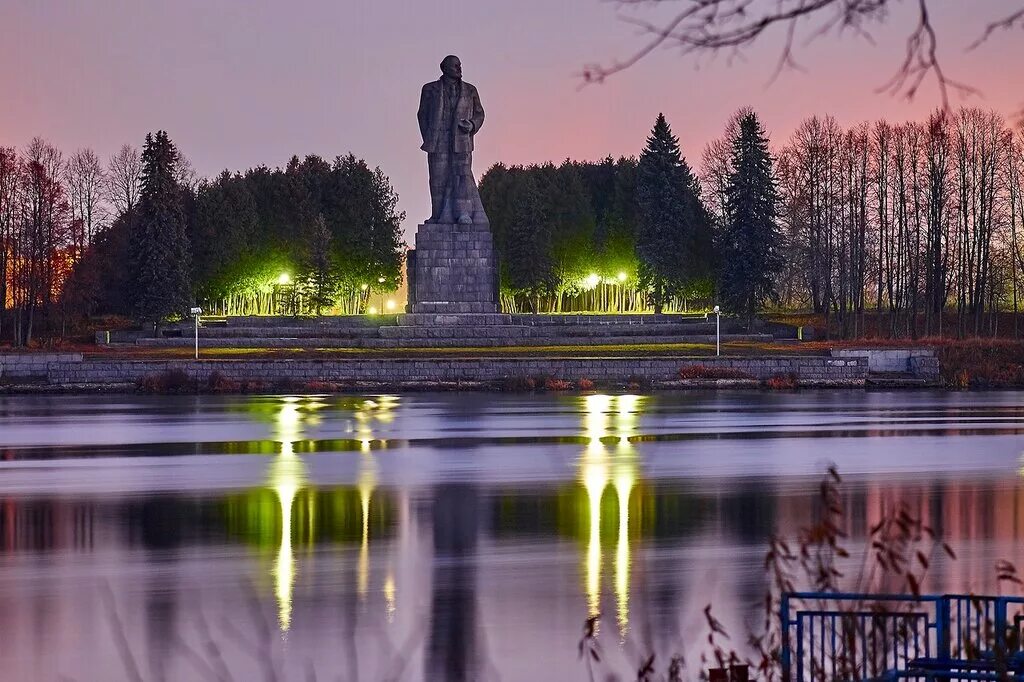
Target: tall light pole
x=196, y=312
x=718, y=330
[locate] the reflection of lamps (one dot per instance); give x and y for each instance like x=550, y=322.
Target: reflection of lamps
x=624, y=479
x=367, y=482
x=595, y=476
x=287, y=478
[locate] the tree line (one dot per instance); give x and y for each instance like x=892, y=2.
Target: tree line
x=910, y=220
x=141, y=236
x=906, y=229
x=633, y=234
x=916, y=223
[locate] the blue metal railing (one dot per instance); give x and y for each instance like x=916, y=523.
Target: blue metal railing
x=855, y=637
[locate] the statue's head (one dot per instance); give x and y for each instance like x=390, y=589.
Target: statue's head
x=451, y=66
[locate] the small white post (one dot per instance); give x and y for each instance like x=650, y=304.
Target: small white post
x=196, y=312
x=718, y=330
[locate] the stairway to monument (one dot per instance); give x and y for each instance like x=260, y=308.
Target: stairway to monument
x=438, y=330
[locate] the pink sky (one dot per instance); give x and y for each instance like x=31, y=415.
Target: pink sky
x=237, y=84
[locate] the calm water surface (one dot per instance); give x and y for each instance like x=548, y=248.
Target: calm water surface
x=451, y=536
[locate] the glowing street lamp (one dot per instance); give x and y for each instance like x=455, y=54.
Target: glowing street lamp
x=284, y=278
x=622, y=277
x=593, y=279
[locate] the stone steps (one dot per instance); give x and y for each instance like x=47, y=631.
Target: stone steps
x=588, y=331
x=488, y=341
x=285, y=332
x=456, y=319
x=465, y=332
x=330, y=321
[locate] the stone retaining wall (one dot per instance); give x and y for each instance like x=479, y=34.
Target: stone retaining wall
x=401, y=371
x=69, y=369
x=22, y=367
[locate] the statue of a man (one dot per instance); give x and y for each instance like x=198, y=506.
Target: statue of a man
x=450, y=115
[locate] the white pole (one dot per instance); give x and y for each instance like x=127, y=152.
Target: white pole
x=718, y=330
x=197, y=336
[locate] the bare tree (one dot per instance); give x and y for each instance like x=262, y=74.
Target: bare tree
x=10, y=182
x=730, y=26
x=716, y=166
x=124, y=178
x=42, y=237
x=86, y=182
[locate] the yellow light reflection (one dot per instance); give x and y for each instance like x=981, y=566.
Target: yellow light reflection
x=370, y=411
x=287, y=478
x=595, y=465
x=624, y=481
x=390, y=603
x=595, y=478
x=367, y=483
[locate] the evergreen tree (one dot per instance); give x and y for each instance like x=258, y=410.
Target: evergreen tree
x=158, y=249
x=751, y=242
x=321, y=275
x=669, y=215
x=529, y=266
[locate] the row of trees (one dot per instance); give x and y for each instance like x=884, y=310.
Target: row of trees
x=909, y=220
x=51, y=209
x=140, y=236
x=630, y=234
x=915, y=223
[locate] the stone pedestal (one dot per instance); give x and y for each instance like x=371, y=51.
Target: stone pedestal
x=453, y=270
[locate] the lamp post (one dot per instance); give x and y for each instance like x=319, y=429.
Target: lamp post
x=718, y=330
x=381, y=280
x=196, y=312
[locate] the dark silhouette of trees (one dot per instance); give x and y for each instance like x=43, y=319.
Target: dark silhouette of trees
x=530, y=268
x=321, y=274
x=670, y=215
x=751, y=245
x=159, y=258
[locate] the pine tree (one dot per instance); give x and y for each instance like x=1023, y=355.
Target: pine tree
x=321, y=277
x=530, y=269
x=669, y=215
x=159, y=262
x=751, y=242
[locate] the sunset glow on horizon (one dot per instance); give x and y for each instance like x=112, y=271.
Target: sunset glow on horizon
x=241, y=86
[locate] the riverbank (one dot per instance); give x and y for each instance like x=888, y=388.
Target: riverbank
x=75, y=372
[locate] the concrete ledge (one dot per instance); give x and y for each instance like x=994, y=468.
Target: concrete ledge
x=920, y=362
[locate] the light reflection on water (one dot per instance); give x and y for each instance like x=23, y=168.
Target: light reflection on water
x=466, y=530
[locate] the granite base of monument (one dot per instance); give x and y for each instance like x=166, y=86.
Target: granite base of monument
x=452, y=274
